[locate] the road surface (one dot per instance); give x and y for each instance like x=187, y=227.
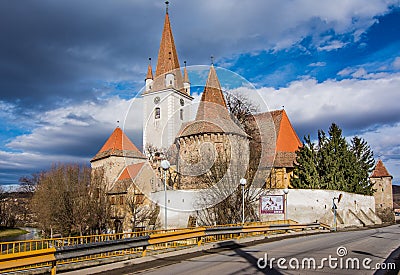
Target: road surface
x=350, y=252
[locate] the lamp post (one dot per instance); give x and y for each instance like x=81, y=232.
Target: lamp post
x=165, y=166
x=334, y=207
x=243, y=182
x=285, y=191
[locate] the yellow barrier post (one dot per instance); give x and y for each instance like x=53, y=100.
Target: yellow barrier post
x=53, y=268
x=199, y=241
x=144, y=251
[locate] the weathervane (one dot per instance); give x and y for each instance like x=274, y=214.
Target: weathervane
x=167, y=3
x=212, y=60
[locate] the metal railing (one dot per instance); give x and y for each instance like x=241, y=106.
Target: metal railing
x=25, y=255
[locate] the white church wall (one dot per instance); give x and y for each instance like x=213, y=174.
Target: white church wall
x=180, y=205
x=307, y=206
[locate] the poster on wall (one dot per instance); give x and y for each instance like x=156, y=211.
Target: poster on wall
x=272, y=204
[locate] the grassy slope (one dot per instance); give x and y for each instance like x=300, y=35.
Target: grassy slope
x=10, y=232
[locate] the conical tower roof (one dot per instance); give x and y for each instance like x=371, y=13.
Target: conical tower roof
x=212, y=91
x=212, y=114
x=380, y=171
x=118, y=144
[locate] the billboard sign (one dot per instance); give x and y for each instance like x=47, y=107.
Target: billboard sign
x=272, y=204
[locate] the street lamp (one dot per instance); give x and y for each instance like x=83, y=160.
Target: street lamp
x=285, y=191
x=334, y=207
x=243, y=183
x=165, y=166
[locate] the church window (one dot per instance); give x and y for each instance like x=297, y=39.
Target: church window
x=181, y=114
x=121, y=200
x=157, y=113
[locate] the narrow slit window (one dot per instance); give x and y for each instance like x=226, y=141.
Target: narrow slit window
x=181, y=114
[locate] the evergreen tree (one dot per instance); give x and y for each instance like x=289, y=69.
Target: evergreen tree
x=334, y=164
x=306, y=172
x=364, y=158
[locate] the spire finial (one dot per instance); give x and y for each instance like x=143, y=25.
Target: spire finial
x=184, y=63
x=149, y=60
x=212, y=60
x=117, y=123
x=166, y=6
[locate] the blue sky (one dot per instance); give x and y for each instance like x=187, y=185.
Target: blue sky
x=70, y=69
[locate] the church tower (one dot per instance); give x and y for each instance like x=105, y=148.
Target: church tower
x=166, y=95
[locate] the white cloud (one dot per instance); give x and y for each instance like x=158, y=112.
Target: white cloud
x=317, y=64
x=332, y=45
x=71, y=134
x=272, y=24
x=396, y=63
x=361, y=103
x=359, y=73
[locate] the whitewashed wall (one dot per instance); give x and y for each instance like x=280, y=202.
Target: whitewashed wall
x=307, y=205
x=304, y=206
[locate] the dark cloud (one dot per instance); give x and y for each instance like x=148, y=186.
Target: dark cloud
x=55, y=51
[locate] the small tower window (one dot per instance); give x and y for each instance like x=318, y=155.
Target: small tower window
x=157, y=113
x=181, y=114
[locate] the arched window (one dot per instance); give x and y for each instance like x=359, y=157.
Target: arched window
x=157, y=113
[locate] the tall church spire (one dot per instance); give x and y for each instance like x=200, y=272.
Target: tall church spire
x=167, y=55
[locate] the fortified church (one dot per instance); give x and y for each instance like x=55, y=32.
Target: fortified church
x=135, y=179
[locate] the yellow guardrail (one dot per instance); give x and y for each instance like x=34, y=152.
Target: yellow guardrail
x=49, y=252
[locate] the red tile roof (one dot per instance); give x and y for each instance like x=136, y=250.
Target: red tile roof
x=167, y=55
x=118, y=144
x=380, y=171
x=131, y=171
x=278, y=139
x=167, y=62
x=287, y=139
x=149, y=72
x=212, y=113
x=212, y=91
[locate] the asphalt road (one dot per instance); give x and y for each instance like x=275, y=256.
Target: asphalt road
x=333, y=253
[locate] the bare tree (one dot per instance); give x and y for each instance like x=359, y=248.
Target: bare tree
x=143, y=213
x=65, y=200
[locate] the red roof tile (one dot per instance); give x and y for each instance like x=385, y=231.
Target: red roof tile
x=131, y=171
x=149, y=72
x=212, y=113
x=212, y=91
x=167, y=55
x=118, y=144
x=380, y=171
x=278, y=139
x=287, y=139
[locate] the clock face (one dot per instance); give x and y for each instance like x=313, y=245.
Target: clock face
x=182, y=102
x=156, y=100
